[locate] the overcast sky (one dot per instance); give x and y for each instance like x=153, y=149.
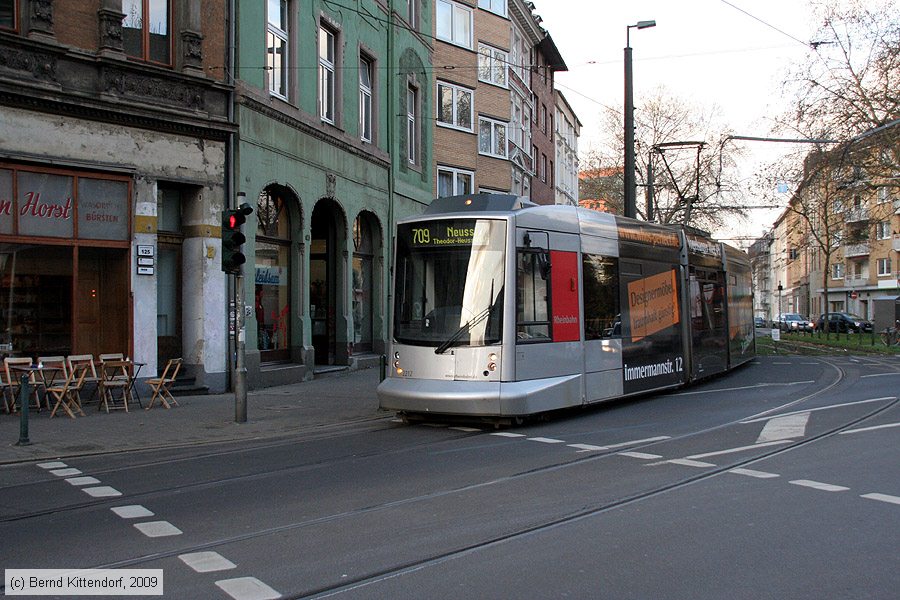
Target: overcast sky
x=709, y=51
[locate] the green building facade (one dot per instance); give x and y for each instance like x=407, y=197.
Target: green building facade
x=334, y=146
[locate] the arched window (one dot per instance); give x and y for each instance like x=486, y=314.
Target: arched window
x=272, y=276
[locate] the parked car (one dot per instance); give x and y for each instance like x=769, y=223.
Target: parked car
x=759, y=322
x=842, y=322
x=794, y=322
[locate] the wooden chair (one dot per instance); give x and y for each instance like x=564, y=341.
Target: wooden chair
x=67, y=394
x=9, y=402
x=114, y=376
x=13, y=376
x=162, y=384
x=87, y=361
x=55, y=365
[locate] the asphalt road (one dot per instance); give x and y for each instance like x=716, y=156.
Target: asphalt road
x=780, y=480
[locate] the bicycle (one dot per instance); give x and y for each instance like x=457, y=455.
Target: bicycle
x=891, y=335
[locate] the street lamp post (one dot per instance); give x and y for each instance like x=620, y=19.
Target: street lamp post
x=630, y=185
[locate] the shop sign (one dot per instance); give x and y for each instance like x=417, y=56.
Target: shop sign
x=47, y=205
x=266, y=275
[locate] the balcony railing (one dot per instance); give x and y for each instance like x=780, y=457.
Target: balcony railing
x=856, y=280
x=854, y=250
x=855, y=215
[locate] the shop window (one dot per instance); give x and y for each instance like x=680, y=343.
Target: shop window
x=272, y=276
x=146, y=30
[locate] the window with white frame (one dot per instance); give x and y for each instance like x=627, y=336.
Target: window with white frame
x=495, y=6
x=520, y=127
x=543, y=170
x=519, y=55
x=365, y=99
x=837, y=271
x=492, y=137
x=277, y=47
x=492, y=64
x=412, y=124
x=884, y=194
x=454, y=182
x=883, y=230
x=454, y=106
x=884, y=267
x=453, y=23
x=327, y=83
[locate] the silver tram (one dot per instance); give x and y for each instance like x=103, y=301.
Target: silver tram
x=503, y=308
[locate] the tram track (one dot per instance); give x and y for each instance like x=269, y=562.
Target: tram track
x=536, y=528
x=335, y=462
x=374, y=577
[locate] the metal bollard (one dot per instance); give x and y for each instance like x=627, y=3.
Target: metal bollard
x=24, y=392
x=382, y=363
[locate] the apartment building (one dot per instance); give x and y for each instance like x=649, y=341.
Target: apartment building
x=566, y=133
x=851, y=197
x=333, y=105
x=113, y=173
x=494, y=68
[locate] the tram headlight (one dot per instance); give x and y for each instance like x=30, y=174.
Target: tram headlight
x=396, y=364
x=492, y=361
x=397, y=355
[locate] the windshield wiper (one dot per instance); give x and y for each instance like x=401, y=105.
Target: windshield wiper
x=462, y=329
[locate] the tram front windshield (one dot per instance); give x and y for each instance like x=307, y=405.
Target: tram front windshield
x=449, y=283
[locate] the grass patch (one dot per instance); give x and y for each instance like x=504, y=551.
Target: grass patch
x=819, y=343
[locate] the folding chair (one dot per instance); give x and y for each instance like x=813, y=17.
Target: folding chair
x=67, y=394
x=161, y=385
x=13, y=376
x=114, y=376
x=87, y=361
x=56, y=365
x=9, y=403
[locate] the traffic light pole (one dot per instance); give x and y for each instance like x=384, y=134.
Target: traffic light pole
x=240, y=369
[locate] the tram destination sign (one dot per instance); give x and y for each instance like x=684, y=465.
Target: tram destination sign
x=439, y=234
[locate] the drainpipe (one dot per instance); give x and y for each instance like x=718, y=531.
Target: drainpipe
x=230, y=178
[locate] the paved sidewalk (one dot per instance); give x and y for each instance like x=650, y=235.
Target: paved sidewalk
x=297, y=409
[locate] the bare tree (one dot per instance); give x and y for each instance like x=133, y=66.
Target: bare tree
x=850, y=82
x=694, y=183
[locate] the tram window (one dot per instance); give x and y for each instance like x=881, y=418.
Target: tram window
x=532, y=297
x=602, y=318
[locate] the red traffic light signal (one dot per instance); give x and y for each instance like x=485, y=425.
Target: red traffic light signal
x=233, y=238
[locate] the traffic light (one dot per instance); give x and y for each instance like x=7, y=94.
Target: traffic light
x=233, y=238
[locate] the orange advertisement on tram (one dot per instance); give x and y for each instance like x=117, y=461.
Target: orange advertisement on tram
x=652, y=304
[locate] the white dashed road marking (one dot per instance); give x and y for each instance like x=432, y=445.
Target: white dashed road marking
x=247, y=588
x=587, y=447
x=52, y=465
x=642, y=455
x=104, y=491
x=157, y=529
x=132, y=511
x=882, y=498
x=466, y=429
x=818, y=485
x=83, y=480
x=544, y=440
x=735, y=450
x=752, y=473
x=636, y=442
x=508, y=434
x=206, y=562
x=686, y=462
x=66, y=472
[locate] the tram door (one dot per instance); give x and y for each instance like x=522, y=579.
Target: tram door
x=708, y=322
